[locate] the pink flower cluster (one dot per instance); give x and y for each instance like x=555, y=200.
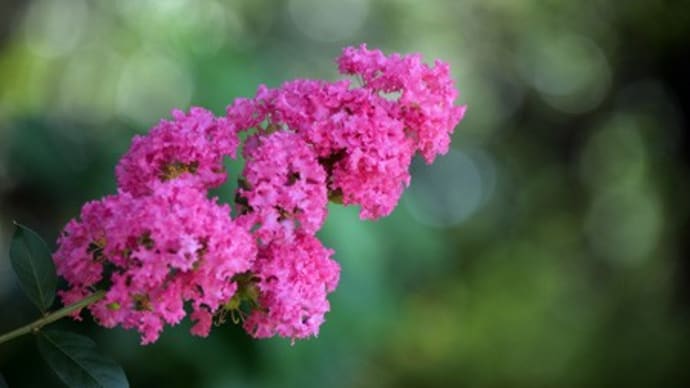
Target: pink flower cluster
x=160, y=244
x=297, y=276
x=154, y=253
x=192, y=145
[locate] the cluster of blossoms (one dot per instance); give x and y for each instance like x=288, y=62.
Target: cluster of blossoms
x=160, y=248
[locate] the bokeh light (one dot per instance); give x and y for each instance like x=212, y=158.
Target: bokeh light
x=570, y=71
x=328, y=20
x=151, y=84
x=53, y=29
x=452, y=190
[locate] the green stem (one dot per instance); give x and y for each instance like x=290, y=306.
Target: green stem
x=52, y=317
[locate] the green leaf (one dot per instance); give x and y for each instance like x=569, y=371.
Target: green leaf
x=75, y=359
x=34, y=267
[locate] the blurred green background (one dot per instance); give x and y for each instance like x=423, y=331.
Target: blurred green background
x=549, y=248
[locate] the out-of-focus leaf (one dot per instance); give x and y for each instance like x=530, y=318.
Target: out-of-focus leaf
x=34, y=267
x=75, y=359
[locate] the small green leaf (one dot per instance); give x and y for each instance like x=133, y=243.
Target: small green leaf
x=34, y=267
x=75, y=359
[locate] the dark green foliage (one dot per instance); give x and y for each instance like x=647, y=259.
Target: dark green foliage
x=75, y=359
x=34, y=267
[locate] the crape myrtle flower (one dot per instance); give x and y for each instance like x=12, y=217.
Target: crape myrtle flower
x=284, y=186
x=363, y=149
x=189, y=148
x=427, y=94
x=151, y=254
x=162, y=250
x=364, y=138
x=294, y=279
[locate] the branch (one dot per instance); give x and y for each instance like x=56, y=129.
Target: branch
x=52, y=317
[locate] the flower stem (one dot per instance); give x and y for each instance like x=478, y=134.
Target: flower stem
x=52, y=317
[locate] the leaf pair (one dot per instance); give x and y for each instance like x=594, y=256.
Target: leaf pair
x=73, y=357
